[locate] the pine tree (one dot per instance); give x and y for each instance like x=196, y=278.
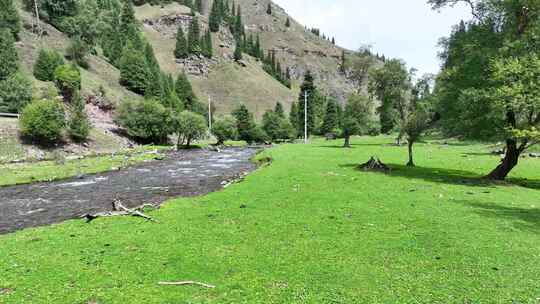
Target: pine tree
x=9, y=17
x=8, y=54
x=333, y=41
x=153, y=85
x=215, y=17
x=238, y=52
x=343, y=61
x=208, y=47
x=128, y=22
x=79, y=125
x=288, y=22
x=279, y=110
x=181, y=50
x=269, y=9
x=308, y=86
x=134, y=72
x=46, y=64
x=194, y=37
x=184, y=91
x=294, y=118
x=198, y=6
x=238, y=24
x=331, y=119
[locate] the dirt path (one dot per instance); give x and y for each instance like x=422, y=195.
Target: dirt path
x=185, y=173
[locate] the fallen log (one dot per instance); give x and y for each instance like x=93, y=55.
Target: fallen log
x=183, y=283
x=374, y=164
x=121, y=210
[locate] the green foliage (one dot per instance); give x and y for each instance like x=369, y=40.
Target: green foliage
x=357, y=117
x=184, y=91
x=269, y=9
x=206, y=45
x=43, y=121
x=67, y=79
x=134, y=72
x=146, y=121
x=15, y=93
x=224, y=129
x=77, y=52
x=189, y=127
x=8, y=54
x=390, y=84
x=181, y=50
x=194, y=37
x=78, y=125
x=331, y=117
x=288, y=22
x=9, y=17
x=238, y=52
x=308, y=86
x=245, y=124
x=46, y=64
x=279, y=110
x=294, y=117
x=215, y=17
x=277, y=127
x=154, y=86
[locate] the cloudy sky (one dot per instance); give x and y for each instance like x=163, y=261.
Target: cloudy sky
x=406, y=29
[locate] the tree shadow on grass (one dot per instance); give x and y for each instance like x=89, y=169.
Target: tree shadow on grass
x=525, y=219
x=452, y=176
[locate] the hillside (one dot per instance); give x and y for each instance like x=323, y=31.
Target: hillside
x=226, y=82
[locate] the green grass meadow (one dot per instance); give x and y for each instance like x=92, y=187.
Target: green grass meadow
x=314, y=230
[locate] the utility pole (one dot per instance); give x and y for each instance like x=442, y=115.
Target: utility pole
x=305, y=117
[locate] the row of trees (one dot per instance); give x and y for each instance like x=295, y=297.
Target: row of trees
x=489, y=87
x=193, y=44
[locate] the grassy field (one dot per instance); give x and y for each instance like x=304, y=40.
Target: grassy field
x=312, y=229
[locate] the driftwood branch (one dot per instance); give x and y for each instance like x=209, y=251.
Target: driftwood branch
x=183, y=283
x=120, y=210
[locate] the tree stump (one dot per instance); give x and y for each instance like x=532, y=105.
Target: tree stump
x=374, y=165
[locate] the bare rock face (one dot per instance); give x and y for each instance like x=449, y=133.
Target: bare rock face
x=168, y=25
x=197, y=65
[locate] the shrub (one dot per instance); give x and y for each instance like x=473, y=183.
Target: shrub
x=79, y=125
x=46, y=64
x=43, y=121
x=189, y=126
x=15, y=93
x=257, y=135
x=146, y=121
x=67, y=78
x=224, y=129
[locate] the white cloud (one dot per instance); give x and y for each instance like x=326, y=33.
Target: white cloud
x=406, y=29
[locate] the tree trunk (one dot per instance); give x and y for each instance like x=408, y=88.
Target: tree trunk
x=508, y=163
x=347, y=141
x=410, y=146
x=188, y=144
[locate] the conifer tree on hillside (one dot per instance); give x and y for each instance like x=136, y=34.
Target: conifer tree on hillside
x=215, y=17
x=279, y=110
x=184, y=91
x=128, y=23
x=181, y=50
x=288, y=22
x=238, y=29
x=134, y=73
x=194, y=37
x=8, y=54
x=9, y=17
x=46, y=64
x=269, y=9
x=154, y=85
x=238, y=52
x=198, y=6
x=207, y=47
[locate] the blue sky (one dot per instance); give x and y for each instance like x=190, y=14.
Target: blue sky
x=406, y=29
